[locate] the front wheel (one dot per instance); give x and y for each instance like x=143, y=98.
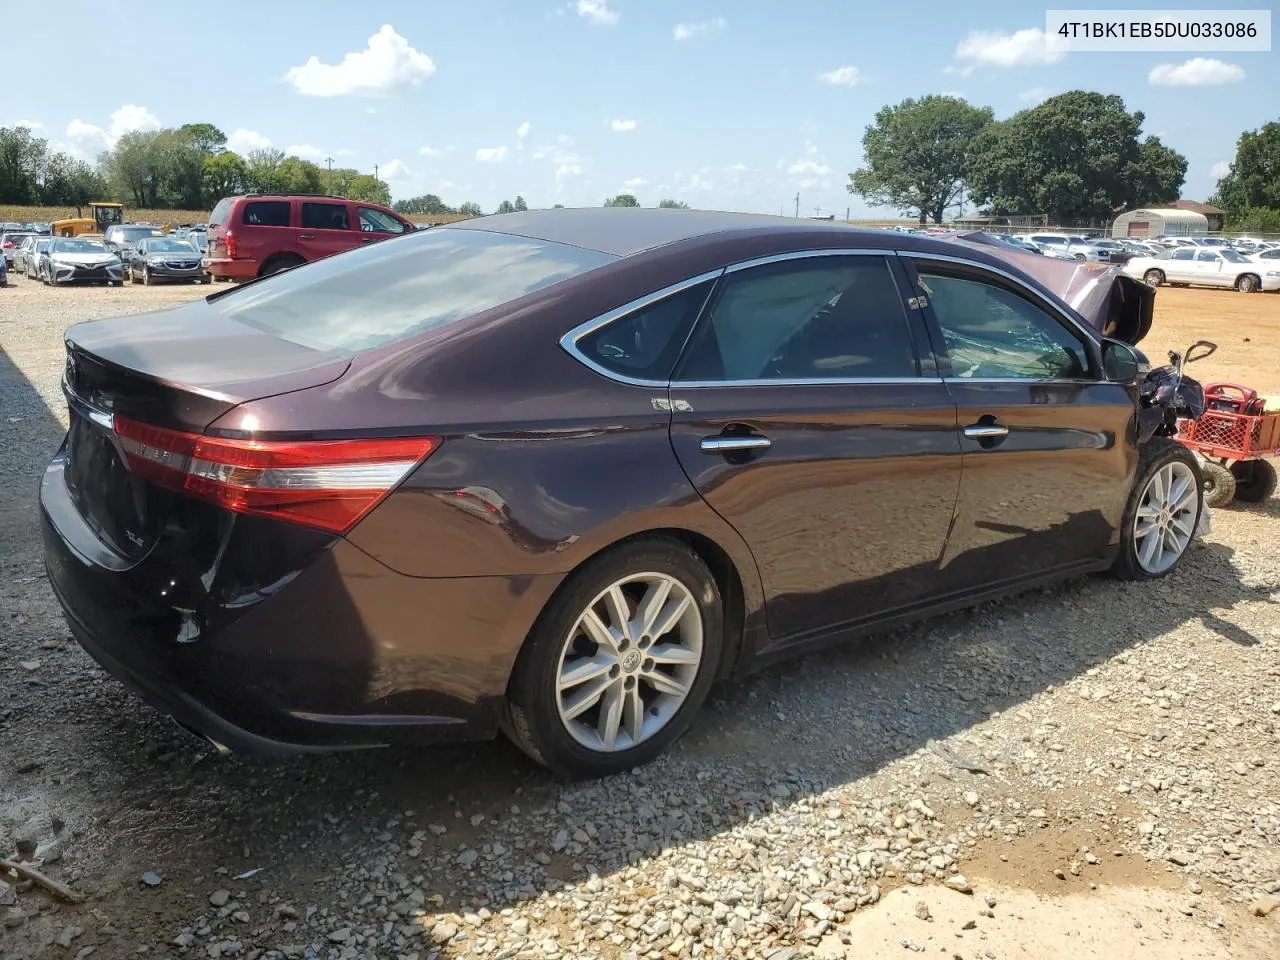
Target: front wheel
x=1163, y=512
x=1153, y=278
x=1255, y=480
x=619, y=662
x=1247, y=283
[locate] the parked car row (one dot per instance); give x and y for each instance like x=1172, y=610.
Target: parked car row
x=147, y=259
x=1208, y=266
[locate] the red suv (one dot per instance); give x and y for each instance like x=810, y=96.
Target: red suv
x=257, y=234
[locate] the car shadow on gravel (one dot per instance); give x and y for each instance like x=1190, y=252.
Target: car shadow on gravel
x=29, y=433
x=786, y=734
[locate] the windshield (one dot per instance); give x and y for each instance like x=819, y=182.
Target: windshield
x=77, y=246
x=169, y=246
x=1232, y=257
x=134, y=234
x=396, y=288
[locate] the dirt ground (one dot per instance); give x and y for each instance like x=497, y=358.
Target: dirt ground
x=1246, y=328
x=1088, y=770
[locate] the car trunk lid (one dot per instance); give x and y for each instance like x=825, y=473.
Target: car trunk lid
x=177, y=370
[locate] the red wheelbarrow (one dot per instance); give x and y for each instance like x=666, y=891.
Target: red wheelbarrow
x=1236, y=438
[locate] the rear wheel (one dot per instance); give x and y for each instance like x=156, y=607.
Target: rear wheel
x=278, y=264
x=1255, y=480
x=1153, y=278
x=146, y=276
x=619, y=662
x=1219, y=484
x=1162, y=514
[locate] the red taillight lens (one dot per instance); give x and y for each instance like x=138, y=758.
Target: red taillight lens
x=230, y=241
x=328, y=484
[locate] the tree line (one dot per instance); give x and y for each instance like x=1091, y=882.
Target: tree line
x=186, y=168
x=1076, y=156
x=431, y=205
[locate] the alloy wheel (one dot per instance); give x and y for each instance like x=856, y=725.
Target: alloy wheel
x=1166, y=517
x=629, y=662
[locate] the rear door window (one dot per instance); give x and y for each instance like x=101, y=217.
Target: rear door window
x=325, y=216
x=267, y=213
x=392, y=290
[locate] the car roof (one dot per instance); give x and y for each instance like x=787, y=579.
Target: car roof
x=624, y=231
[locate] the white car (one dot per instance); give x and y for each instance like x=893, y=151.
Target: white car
x=1205, y=266
x=1064, y=245
x=1269, y=256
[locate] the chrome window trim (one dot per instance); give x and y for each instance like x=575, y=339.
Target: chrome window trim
x=884, y=252
x=1035, y=295
x=824, y=382
x=1029, y=380
x=569, y=342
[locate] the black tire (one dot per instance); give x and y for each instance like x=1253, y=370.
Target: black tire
x=1153, y=278
x=1247, y=283
x=1219, y=485
x=117, y=283
x=133, y=276
x=1255, y=480
x=146, y=276
x=278, y=264
x=531, y=718
x=1155, y=453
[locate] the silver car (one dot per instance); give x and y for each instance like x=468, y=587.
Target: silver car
x=36, y=264
x=164, y=258
x=10, y=241
x=79, y=259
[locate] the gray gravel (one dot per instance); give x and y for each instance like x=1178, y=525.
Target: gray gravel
x=1095, y=733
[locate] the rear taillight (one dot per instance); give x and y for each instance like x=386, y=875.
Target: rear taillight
x=328, y=484
x=230, y=241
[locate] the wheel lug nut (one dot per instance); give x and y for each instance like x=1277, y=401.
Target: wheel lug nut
x=648, y=663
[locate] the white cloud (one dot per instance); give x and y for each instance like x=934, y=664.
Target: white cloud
x=623, y=126
x=1035, y=95
x=1023, y=48
x=306, y=151
x=687, y=31
x=242, y=141
x=841, y=76
x=387, y=64
x=491, y=154
x=598, y=12
x=522, y=132
x=565, y=170
x=1196, y=72
x=952, y=93
x=429, y=151
x=635, y=183
x=91, y=138
x=345, y=152
x=809, y=167
x=394, y=170
x=32, y=125
x=1220, y=169
x=810, y=148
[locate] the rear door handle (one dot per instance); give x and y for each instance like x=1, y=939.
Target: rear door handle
x=306, y=236
x=723, y=444
x=985, y=431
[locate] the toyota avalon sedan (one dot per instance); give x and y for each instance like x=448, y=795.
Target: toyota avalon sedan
x=554, y=473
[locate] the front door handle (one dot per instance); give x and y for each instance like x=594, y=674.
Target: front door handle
x=723, y=444
x=306, y=236
x=985, y=431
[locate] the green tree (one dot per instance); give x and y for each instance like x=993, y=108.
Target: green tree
x=622, y=200
x=916, y=154
x=1254, y=178
x=1075, y=156
x=136, y=167
x=206, y=137
x=520, y=205
x=673, y=205
x=22, y=158
x=69, y=181
x=506, y=206
x=181, y=160
x=470, y=209
x=262, y=170
x=426, y=205
x=300, y=176
x=225, y=174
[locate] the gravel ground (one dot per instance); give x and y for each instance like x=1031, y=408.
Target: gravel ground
x=1086, y=770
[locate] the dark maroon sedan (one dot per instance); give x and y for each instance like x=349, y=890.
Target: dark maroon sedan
x=556, y=472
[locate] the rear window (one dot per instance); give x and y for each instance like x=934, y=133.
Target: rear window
x=398, y=288
x=134, y=234
x=221, y=213
x=267, y=213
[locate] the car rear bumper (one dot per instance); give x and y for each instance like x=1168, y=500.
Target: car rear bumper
x=323, y=648
x=226, y=268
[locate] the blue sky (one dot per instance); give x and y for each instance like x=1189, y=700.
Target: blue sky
x=734, y=105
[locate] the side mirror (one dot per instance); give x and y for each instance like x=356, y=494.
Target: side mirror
x=1119, y=362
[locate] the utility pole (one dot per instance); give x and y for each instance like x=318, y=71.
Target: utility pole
x=375, y=171
x=329, y=161
x=797, y=205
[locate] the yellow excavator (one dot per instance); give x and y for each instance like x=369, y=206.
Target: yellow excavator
x=101, y=216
